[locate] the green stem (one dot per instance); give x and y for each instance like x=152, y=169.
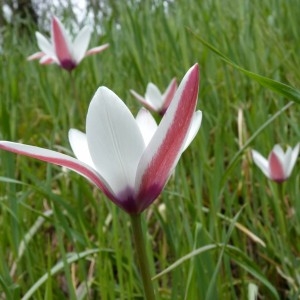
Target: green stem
x=140, y=245
x=73, y=108
x=280, y=209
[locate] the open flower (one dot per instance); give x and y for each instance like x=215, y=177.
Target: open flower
x=279, y=165
x=62, y=50
x=126, y=158
x=154, y=99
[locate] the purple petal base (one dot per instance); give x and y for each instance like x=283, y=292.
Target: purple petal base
x=68, y=64
x=133, y=204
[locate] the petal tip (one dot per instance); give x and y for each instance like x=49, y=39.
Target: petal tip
x=195, y=70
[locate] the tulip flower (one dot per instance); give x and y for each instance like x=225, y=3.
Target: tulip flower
x=61, y=50
x=130, y=160
x=279, y=165
x=154, y=99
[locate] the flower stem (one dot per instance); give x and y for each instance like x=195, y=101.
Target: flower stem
x=140, y=245
x=280, y=209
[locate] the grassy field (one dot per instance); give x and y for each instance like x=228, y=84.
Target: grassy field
x=223, y=228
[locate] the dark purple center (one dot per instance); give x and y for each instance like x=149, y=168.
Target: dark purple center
x=134, y=204
x=68, y=64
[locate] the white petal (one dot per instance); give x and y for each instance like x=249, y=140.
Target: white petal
x=79, y=145
x=286, y=160
x=196, y=123
x=153, y=96
x=147, y=124
x=142, y=100
x=293, y=159
x=44, y=45
x=137, y=96
x=261, y=162
x=114, y=139
x=279, y=152
x=81, y=44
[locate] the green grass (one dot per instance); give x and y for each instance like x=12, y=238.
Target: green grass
x=216, y=203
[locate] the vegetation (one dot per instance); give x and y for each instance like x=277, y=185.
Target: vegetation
x=221, y=229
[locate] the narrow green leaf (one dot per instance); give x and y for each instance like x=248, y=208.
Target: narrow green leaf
x=185, y=258
x=235, y=158
x=276, y=86
x=10, y=180
x=213, y=280
x=73, y=257
x=244, y=262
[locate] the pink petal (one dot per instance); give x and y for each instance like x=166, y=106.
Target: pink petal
x=36, y=55
x=61, y=45
x=96, y=49
x=47, y=60
x=61, y=160
x=169, y=95
x=276, y=168
x=164, y=150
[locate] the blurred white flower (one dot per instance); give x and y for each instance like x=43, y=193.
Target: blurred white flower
x=62, y=50
x=154, y=100
x=279, y=165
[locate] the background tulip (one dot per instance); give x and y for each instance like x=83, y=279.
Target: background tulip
x=154, y=99
x=279, y=165
x=61, y=50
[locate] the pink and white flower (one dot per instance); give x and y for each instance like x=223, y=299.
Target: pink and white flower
x=279, y=165
x=129, y=159
x=61, y=50
x=154, y=99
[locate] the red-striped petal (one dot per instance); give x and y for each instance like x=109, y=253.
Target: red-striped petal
x=36, y=55
x=169, y=95
x=164, y=150
x=61, y=160
x=142, y=100
x=276, y=168
x=96, y=50
x=61, y=45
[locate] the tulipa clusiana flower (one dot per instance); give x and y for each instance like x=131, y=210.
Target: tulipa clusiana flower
x=154, y=99
x=130, y=160
x=61, y=50
x=279, y=165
